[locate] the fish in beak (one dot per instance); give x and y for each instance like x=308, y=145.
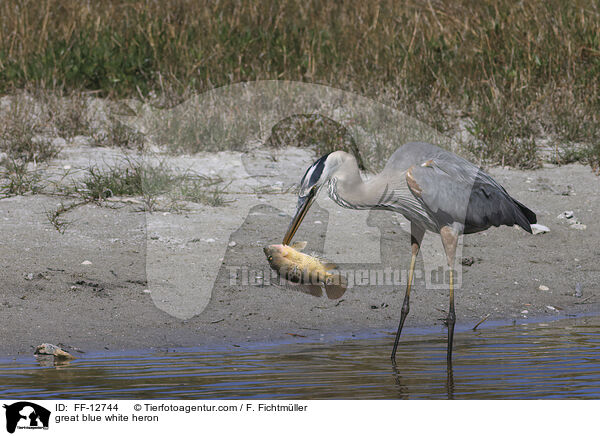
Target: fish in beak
x=310, y=273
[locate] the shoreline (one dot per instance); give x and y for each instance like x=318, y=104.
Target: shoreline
x=439, y=332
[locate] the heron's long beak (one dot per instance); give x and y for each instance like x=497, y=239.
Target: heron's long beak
x=300, y=214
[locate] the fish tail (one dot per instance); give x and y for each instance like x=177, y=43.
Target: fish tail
x=336, y=286
x=314, y=290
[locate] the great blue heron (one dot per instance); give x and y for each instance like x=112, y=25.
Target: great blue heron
x=434, y=189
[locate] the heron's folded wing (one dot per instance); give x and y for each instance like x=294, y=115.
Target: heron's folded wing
x=457, y=193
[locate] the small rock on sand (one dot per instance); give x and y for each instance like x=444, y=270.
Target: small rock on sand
x=571, y=220
x=86, y=262
x=544, y=288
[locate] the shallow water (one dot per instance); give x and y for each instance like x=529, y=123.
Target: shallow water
x=537, y=360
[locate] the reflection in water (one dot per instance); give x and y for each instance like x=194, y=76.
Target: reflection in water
x=559, y=360
x=450, y=381
x=402, y=392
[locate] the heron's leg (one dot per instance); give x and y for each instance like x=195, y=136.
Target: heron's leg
x=451, y=318
x=449, y=240
x=416, y=236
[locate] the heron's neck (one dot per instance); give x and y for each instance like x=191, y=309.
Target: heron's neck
x=348, y=189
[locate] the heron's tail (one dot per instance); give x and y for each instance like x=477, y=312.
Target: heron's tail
x=336, y=286
x=526, y=217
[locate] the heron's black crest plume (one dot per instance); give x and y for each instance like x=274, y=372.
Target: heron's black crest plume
x=313, y=174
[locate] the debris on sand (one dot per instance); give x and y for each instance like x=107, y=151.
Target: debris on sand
x=38, y=276
x=544, y=288
x=481, y=321
x=578, y=226
x=53, y=350
x=568, y=216
x=296, y=335
x=467, y=261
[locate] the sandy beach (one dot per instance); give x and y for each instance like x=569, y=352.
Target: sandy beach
x=121, y=278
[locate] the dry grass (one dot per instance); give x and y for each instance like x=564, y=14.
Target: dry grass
x=323, y=134
x=517, y=71
x=17, y=179
x=22, y=134
x=136, y=178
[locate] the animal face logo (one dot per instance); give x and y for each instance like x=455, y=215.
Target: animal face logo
x=24, y=414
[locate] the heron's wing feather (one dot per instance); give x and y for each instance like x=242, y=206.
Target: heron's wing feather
x=455, y=192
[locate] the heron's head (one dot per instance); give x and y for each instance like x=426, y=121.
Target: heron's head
x=315, y=177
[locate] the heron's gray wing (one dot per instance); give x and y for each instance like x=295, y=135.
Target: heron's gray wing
x=456, y=191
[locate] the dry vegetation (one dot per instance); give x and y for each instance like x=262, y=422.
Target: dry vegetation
x=514, y=72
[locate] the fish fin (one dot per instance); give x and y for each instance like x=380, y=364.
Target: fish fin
x=336, y=286
x=329, y=265
x=299, y=245
x=314, y=290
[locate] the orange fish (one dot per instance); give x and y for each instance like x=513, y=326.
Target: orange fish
x=309, y=272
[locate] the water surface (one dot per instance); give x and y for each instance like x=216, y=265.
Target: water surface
x=536, y=360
